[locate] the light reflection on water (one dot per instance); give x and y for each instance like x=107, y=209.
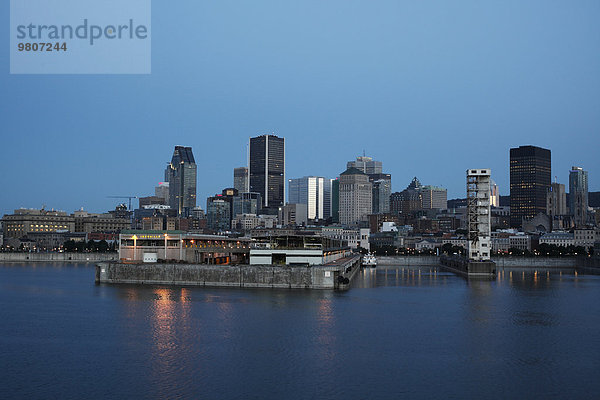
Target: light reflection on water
x=400, y=331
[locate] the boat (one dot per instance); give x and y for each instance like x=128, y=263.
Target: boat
x=369, y=260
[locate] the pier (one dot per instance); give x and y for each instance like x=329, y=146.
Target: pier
x=326, y=276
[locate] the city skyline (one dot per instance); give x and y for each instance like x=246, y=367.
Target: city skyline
x=401, y=81
x=398, y=185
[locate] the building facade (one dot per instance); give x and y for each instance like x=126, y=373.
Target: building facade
x=478, y=214
x=382, y=190
x=293, y=214
x=181, y=174
x=240, y=179
x=578, y=195
x=434, y=197
x=355, y=197
x=530, y=178
x=218, y=214
x=366, y=165
x=24, y=221
x=310, y=190
x=267, y=169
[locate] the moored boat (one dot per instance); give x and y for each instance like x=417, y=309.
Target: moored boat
x=369, y=260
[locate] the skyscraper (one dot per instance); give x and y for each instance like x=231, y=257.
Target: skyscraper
x=530, y=177
x=355, y=197
x=311, y=191
x=267, y=169
x=366, y=165
x=434, y=197
x=335, y=200
x=181, y=175
x=556, y=200
x=381, y=183
x=578, y=195
x=240, y=179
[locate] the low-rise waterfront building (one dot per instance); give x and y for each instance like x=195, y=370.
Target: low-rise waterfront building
x=563, y=239
x=521, y=242
x=24, y=221
x=297, y=250
x=137, y=245
x=586, y=237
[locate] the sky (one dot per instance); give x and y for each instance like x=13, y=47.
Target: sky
x=430, y=88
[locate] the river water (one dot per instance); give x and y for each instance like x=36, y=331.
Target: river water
x=400, y=332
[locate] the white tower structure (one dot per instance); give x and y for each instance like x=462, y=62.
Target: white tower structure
x=478, y=214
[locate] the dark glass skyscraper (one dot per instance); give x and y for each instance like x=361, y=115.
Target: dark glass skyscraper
x=578, y=195
x=267, y=169
x=530, y=178
x=181, y=174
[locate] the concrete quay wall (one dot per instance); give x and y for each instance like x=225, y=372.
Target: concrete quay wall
x=58, y=257
x=248, y=276
x=408, y=260
x=501, y=262
x=535, y=262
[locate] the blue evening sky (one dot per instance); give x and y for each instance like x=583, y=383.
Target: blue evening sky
x=430, y=88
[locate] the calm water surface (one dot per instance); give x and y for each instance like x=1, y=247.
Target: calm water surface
x=399, y=333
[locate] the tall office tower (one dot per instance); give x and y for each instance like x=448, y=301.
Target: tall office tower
x=578, y=195
x=479, y=240
x=246, y=203
x=495, y=194
x=366, y=165
x=556, y=200
x=218, y=213
x=530, y=178
x=335, y=200
x=181, y=174
x=267, y=169
x=240, y=179
x=327, y=198
x=382, y=189
x=309, y=190
x=356, y=197
x=162, y=190
x=434, y=197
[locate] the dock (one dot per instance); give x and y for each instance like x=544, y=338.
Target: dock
x=469, y=268
x=335, y=275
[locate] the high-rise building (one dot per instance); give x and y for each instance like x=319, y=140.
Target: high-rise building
x=479, y=240
x=181, y=174
x=335, y=200
x=218, y=213
x=578, y=195
x=366, y=165
x=495, y=194
x=311, y=191
x=356, y=197
x=381, y=183
x=246, y=203
x=293, y=214
x=162, y=190
x=530, y=178
x=556, y=200
x=240, y=179
x=408, y=200
x=267, y=169
x=382, y=189
x=327, y=194
x=434, y=197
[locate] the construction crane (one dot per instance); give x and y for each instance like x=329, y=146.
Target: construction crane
x=124, y=197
